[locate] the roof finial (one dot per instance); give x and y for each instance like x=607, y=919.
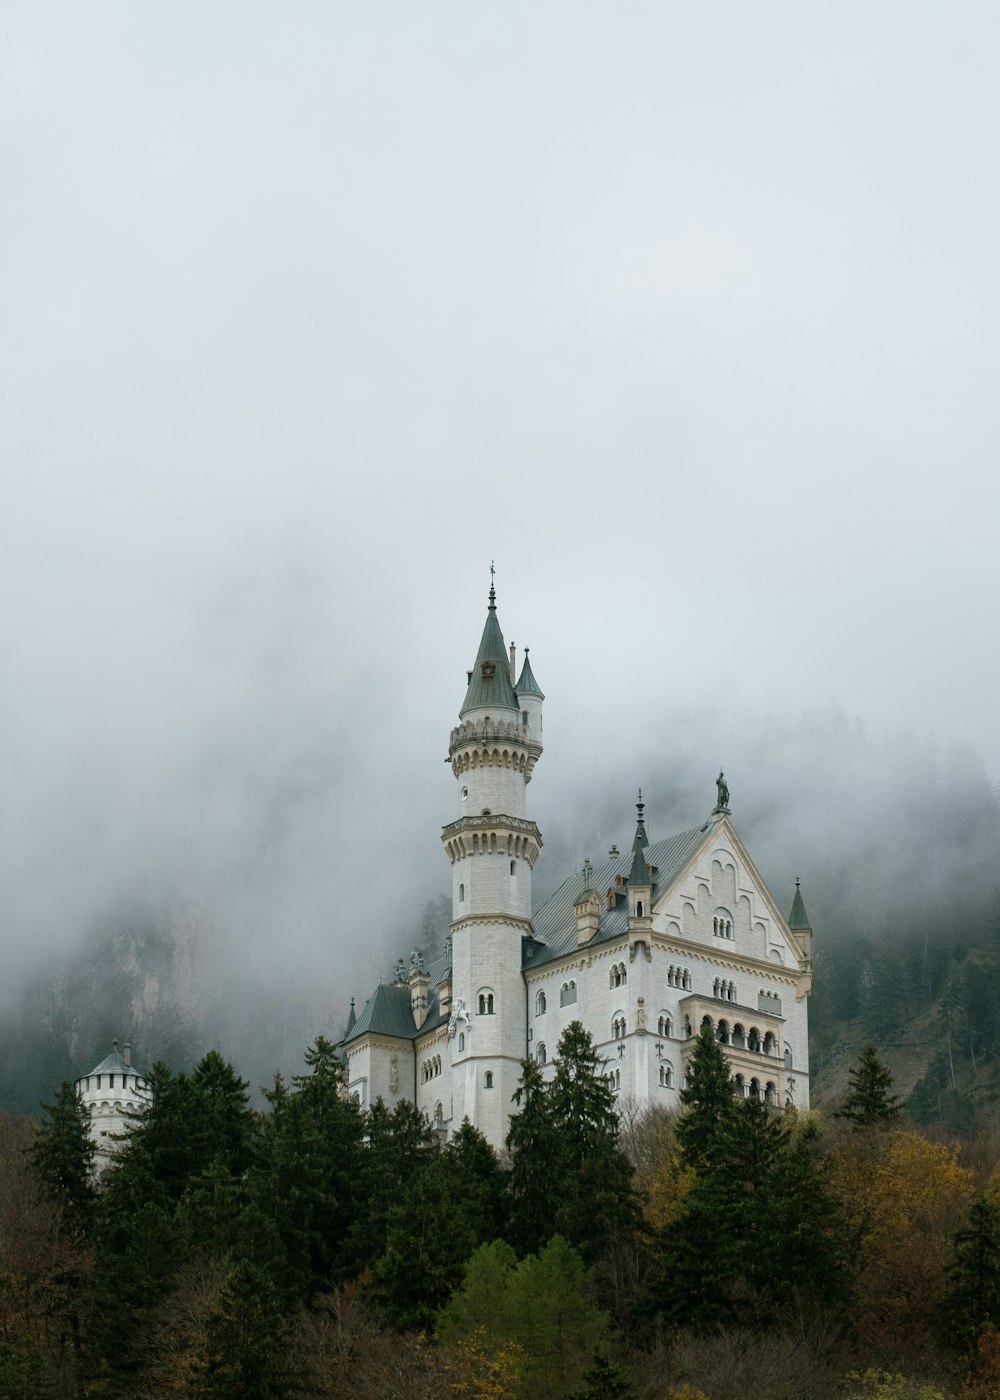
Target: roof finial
x=641, y=839
x=493, y=592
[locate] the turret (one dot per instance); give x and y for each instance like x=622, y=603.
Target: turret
x=529, y=698
x=112, y=1093
x=640, y=886
x=798, y=922
x=492, y=847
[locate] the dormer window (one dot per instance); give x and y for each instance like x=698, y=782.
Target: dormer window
x=489, y=670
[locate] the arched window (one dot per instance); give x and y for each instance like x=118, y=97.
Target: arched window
x=488, y=1079
x=638, y=909
x=486, y=1002
x=687, y=1026
x=740, y=1087
x=723, y=1032
x=567, y=994
x=513, y=867
x=619, y=975
x=461, y=894
x=753, y=1040
x=540, y=1004
x=540, y=1056
x=438, y=1113
x=461, y=1042
x=665, y=1024
x=770, y=1044
x=687, y=981
x=666, y=1077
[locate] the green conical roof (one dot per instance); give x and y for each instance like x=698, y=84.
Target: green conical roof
x=639, y=875
x=527, y=685
x=489, y=684
x=798, y=918
x=351, y=1020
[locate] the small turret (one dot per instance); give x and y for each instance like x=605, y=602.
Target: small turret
x=529, y=698
x=798, y=922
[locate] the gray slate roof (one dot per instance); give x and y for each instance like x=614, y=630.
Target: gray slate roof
x=388, y=1012
x=489, y=684
x=555, y=920
x=114, y=1064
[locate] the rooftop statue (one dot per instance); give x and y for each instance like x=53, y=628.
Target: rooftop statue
x=722, y=790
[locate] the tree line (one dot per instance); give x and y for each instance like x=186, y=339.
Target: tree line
x=315, y=1249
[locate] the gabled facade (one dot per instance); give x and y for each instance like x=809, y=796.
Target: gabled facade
x=643, y=949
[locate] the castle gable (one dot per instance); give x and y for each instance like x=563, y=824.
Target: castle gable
x=719, y=900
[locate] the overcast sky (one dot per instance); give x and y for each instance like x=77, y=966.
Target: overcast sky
x=687, y=315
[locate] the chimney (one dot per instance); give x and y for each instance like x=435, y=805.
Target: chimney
x=127, y=1053
x=513, y=664
x=588, y=916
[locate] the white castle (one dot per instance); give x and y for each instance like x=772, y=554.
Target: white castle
x=643, y=950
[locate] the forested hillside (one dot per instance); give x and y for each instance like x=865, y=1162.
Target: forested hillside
x=310, y=1249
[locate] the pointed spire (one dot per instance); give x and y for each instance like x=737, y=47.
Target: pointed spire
x=639, y=874
x=489, y=681
x=527, y=685
x=351, y=1020
x=798, y=918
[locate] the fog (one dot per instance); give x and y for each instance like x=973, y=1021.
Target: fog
x=686, y=316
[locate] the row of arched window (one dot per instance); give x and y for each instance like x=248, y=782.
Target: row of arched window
x=486, y=1003
x=679, y=977
x=725, y=991
x=722, y=925
x=666, y=1077
x=618, y=1028
x=664, y=1025
x=742, y=1039
x=614, y=1078
x=619, y=975
x=431, y=1068
x=754, y=1090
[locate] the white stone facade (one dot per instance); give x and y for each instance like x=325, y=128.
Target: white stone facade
x=642, y=954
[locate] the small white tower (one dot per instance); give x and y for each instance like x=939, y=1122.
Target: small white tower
x=111, y=1093
x=492, y=847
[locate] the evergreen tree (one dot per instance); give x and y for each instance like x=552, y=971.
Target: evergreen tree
x=533, y=1145
x=63, y=1155
x=605, y=1380
x=244, y=1337
x=449, y=1209
x=569, y=1175
x=399, y=1143
x=709, y=1102
x=869, y=1102
x=310, y=1181
x=973, y=1298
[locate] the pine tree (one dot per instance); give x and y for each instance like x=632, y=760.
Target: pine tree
x=869, y=1102
x=63, y=1155
x=244, y=1337
x=569, y=1175
x=973, y=1298
x=605, y=1380
x=709, y=1102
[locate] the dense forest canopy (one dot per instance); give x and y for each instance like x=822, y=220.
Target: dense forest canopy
x=315, y=1249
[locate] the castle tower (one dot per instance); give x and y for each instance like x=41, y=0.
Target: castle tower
x=492, y=847
x=112, y=1093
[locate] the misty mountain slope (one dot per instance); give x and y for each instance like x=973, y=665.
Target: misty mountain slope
x=898, y=849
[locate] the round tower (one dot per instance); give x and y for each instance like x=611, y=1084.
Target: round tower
x=492, y=847
x=112, y=1093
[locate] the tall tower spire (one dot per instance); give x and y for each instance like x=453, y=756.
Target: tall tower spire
x=492, y=847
